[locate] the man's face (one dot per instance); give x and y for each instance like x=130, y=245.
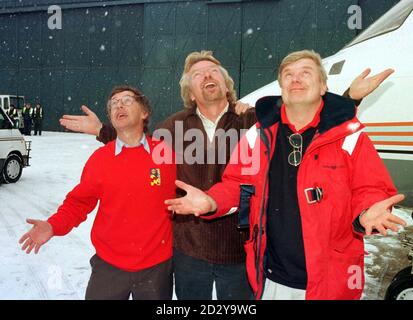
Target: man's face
x=207, y=83
x=301, y=83
x=125, y=111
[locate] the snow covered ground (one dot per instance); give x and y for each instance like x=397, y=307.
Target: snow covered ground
x=61, y=269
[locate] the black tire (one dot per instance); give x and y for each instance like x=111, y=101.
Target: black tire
x=404, y=272
x=401, y=289
x=12, y=169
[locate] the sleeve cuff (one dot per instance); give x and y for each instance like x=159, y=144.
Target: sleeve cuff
x=358, y=227
x=347, y=95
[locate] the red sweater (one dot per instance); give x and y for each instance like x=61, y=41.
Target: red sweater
x=131, y=230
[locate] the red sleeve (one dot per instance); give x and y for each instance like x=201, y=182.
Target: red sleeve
x=371, y=182
x=242, y=167
x=78, y=203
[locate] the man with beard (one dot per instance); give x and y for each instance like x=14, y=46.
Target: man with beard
x=320, y=186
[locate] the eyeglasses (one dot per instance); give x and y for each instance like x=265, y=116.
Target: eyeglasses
x=295, y=157
x=126, y=101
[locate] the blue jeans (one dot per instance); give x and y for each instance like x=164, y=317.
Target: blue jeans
x=194, y=279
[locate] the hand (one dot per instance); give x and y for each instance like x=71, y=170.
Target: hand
x=379, y=216
x=195, y=201
x=39, y=234
x=362, y=86
x=241, y=107
x=89, y=123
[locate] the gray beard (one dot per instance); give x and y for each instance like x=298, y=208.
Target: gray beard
x=219, y=95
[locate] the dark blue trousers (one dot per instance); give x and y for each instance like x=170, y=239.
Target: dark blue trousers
x=194, y=279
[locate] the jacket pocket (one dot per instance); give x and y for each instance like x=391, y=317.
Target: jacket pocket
x=345, y=275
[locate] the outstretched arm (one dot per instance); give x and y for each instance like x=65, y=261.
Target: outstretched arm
x=373, y=192
x=88, y=123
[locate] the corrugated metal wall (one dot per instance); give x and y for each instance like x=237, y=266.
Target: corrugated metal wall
x=144, y=43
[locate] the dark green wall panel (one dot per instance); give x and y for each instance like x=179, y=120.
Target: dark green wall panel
x=144, y=43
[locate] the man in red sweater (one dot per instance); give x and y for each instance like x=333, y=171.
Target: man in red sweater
x=132, y=233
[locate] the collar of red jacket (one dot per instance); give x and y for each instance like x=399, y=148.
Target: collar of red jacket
x=336, y=110
x=313, y=124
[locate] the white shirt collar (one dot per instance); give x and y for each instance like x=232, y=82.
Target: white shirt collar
x=210, y=126
x=120, y=144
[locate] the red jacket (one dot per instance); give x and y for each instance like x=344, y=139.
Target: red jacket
x=132, y=229
x=342, y=161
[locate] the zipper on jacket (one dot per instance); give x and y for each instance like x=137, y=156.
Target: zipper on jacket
x=267, y=144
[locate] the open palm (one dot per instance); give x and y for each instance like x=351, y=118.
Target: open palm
x=194, y=202
x=39, y=234
x=89, y=123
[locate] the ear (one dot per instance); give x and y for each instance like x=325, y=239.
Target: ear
x=145, y=115
x=323, y=89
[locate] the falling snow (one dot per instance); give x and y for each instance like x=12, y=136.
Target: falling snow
x=249, y=31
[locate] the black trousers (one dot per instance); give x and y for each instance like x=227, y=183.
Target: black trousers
x=110, y=283
x=37, y=126
x=27, y=127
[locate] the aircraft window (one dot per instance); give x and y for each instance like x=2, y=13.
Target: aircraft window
x=390, y=21
x=337, y=67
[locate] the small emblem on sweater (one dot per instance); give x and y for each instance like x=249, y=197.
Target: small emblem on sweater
x=155, y=176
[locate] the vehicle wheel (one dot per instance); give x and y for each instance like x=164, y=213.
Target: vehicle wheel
x=401, y=289
x=12, y=169
x=404, y=272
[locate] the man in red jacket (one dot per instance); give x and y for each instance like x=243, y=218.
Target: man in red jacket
x=319, y=186
x=132, y=233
